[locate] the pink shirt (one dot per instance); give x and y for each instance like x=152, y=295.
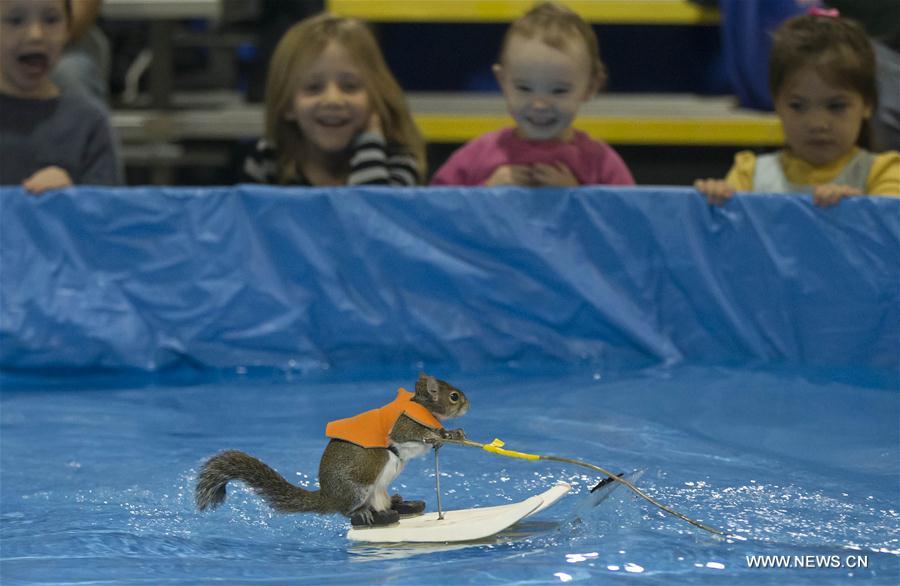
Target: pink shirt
x=592, y=162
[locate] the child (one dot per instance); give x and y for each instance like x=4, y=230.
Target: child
x=334, y=113
x=549, y=66
x=48, y=139
x=822, y=78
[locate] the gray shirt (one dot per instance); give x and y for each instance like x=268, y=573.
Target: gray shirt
x=70, y=131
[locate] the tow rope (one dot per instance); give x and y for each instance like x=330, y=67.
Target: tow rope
x=496, y=447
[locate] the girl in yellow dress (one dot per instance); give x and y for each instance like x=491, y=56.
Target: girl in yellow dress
x=822, y=79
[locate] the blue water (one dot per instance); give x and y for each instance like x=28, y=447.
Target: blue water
x=97, y=478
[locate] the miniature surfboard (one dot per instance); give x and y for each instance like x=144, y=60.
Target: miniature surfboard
x=460, y=525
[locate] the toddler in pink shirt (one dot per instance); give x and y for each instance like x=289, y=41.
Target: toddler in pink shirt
x=549, y=66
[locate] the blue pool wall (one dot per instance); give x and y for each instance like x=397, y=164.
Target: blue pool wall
x=255, y=276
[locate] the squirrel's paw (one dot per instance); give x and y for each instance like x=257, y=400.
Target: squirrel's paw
x=407, y=507
x=370, y=518
x=453, y=434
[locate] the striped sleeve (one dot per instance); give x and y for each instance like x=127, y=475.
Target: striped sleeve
x=403, y=168
x=373, y=162
x=260, y=166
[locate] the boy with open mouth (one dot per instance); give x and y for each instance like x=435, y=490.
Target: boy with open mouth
x=48, y=139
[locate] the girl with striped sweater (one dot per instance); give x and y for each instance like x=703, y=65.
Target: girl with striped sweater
x=335, y=115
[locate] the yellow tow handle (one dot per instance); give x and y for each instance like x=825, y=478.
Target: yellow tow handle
x=496, y=447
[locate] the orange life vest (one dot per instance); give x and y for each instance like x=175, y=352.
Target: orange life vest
x=372, y=428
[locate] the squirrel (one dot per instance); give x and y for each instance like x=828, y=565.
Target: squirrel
x=365, y=454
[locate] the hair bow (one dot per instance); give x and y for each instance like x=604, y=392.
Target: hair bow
x=819, y=11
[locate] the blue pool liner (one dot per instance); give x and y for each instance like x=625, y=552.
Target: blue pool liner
x=246, y=276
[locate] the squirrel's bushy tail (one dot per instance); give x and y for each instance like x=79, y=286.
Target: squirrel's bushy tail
x=266, y=482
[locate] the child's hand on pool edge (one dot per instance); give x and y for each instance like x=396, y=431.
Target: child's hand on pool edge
x=46, y=179
x=831, y=193
x=553, y=175
x=520, y=175
x=717, y=191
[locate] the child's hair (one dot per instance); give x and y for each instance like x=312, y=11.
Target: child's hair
x=837, y=48
x=299, y=46
x=555, y=25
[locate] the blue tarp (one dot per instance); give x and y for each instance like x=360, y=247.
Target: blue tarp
x=153, y=278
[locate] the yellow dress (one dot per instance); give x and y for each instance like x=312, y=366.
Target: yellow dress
x=884, y=176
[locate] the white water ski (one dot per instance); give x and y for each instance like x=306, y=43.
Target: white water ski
x=460, y=525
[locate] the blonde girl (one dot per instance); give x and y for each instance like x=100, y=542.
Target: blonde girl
x=335, y=115
x=822, y=79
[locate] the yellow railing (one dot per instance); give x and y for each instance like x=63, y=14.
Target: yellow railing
x=619, y=130
x=595, y=11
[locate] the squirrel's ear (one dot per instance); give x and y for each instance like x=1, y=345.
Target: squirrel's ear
x=428, y=386
x=431, y=387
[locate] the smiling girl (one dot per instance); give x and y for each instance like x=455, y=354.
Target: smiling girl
x=549, y=66
x=822, y=78
x=335, y=115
